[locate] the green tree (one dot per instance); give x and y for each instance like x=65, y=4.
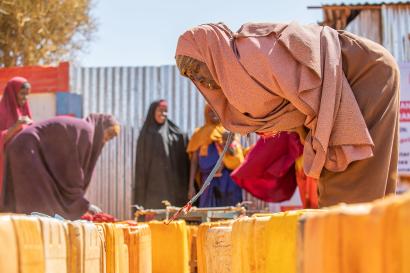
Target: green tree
x=43, y=31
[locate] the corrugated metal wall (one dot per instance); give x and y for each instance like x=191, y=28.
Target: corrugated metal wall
x=367, y=24
x=389, y=26
x=127, y=92
x=396, y=31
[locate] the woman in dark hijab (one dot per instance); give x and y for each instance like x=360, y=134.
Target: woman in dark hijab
x=49, y=165
x=162, y=163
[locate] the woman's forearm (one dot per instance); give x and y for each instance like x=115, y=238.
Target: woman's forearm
x=10, y=133
x=193, y=169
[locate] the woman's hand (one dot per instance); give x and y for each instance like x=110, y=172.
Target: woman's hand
x=191, y=191
x=231, y=146
x=26, y=119
x=192, y=173
x=23, y=120
x=93, y=209
x=17, y=127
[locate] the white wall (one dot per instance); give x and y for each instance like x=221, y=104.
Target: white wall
x=43, y=106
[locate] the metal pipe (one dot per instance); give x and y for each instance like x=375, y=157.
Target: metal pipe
x=351, y=7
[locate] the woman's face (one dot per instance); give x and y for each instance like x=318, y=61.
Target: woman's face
x=161, y=113
x=203, y=76
x=22, y=94
x=111, y=132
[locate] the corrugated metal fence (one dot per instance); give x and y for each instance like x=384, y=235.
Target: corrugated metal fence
x=127, y=92
x=389, y=26
x=367, y=24
x=396, y=31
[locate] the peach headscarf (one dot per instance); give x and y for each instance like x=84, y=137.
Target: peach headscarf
x=277, y=77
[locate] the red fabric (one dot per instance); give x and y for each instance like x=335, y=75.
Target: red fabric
x=268, y=171
x=99, y=218
x=10, y=111
x=308, y=190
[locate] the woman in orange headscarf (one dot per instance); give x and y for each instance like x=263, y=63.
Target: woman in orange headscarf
x=204, y=148
x=341, y=89
x=14, y=114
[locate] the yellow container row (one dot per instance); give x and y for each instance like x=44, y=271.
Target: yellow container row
x=31, y=244
x=363, y=238
x=373, y=237
x=258, y=244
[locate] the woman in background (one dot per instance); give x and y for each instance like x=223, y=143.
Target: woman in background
x=161, y=171
x=204, y=148
x=14, y=114
x=49, y=165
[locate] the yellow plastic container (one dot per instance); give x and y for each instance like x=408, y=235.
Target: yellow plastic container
x=242, y=245
x=93, y=249
x=101, y=234
x=372, y=237
x=394, y=212
x=169, y=247
x=192, y=247
x=403, y=233
x=347, y=238
x=30, y=244
x=260, y=243
x=361, y=237
x=115, y=248
x=200, y=242
x=249, y=244
x=138, y=240
x=8, y=246
x=322, y=243
x=218, y=247
x=55, y=245
x=281, y=237
x=75, y=247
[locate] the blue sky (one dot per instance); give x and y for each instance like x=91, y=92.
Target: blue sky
x=145, y=32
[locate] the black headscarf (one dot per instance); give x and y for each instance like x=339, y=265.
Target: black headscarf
x=162, y=164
